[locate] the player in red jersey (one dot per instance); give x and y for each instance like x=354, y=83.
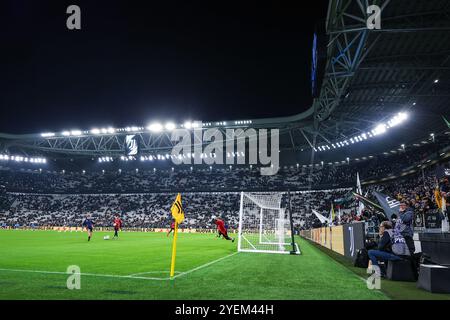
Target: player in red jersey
x=172, y=228
x=117, y=226
x=221, y=229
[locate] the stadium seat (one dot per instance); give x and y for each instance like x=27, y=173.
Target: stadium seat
x=400, y=270
x=434, y=278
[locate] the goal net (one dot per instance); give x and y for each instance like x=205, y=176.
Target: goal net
x=264, y=226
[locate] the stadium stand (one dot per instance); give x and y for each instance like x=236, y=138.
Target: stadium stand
x=29, y=203
x=294, y=177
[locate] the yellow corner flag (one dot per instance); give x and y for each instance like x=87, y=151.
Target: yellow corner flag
x=178, y=215
x=177, y=210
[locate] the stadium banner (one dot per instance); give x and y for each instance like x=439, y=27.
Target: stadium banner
x=337, y=239
x=323, y=238
x=328, y=237
x=306, y=234
x=131, y=145
x=354, y=238
x=419, y=220
x=433, y=220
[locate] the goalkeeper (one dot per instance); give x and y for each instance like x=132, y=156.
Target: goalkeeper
x=221, y=228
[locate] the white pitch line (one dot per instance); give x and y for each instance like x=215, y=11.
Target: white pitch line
x=83, y=274
x=203, y=265
x=151, y=272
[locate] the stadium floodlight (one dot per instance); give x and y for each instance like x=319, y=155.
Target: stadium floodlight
x=66, y=133
x=188, y=125
x=170, y=126
x=155, y=127
x=76, y=132
x=436, y=81
x=379, y=129
x=397, y=119
x=95, y=131
x=47, y=134
x=111, y=130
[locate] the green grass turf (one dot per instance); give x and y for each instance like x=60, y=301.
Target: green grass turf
x=397, y=290
x=312, y=275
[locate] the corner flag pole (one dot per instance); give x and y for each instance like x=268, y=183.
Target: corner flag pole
x=174, y=250
x=178, y=216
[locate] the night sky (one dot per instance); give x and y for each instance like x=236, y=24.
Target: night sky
x=135, y=62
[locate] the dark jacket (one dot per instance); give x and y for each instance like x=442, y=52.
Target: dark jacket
x=405, y=222
x=385, y=243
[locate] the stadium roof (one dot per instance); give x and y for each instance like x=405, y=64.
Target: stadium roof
x=370, y=76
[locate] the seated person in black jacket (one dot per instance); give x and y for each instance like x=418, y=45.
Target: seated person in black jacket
x=384, y=250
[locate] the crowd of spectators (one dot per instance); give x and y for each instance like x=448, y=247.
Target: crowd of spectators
x=143, y=198
x=216, y=178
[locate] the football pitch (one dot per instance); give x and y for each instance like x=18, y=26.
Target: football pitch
x=33, y=265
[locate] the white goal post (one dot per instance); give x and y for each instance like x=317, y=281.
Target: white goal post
x=264, y=226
